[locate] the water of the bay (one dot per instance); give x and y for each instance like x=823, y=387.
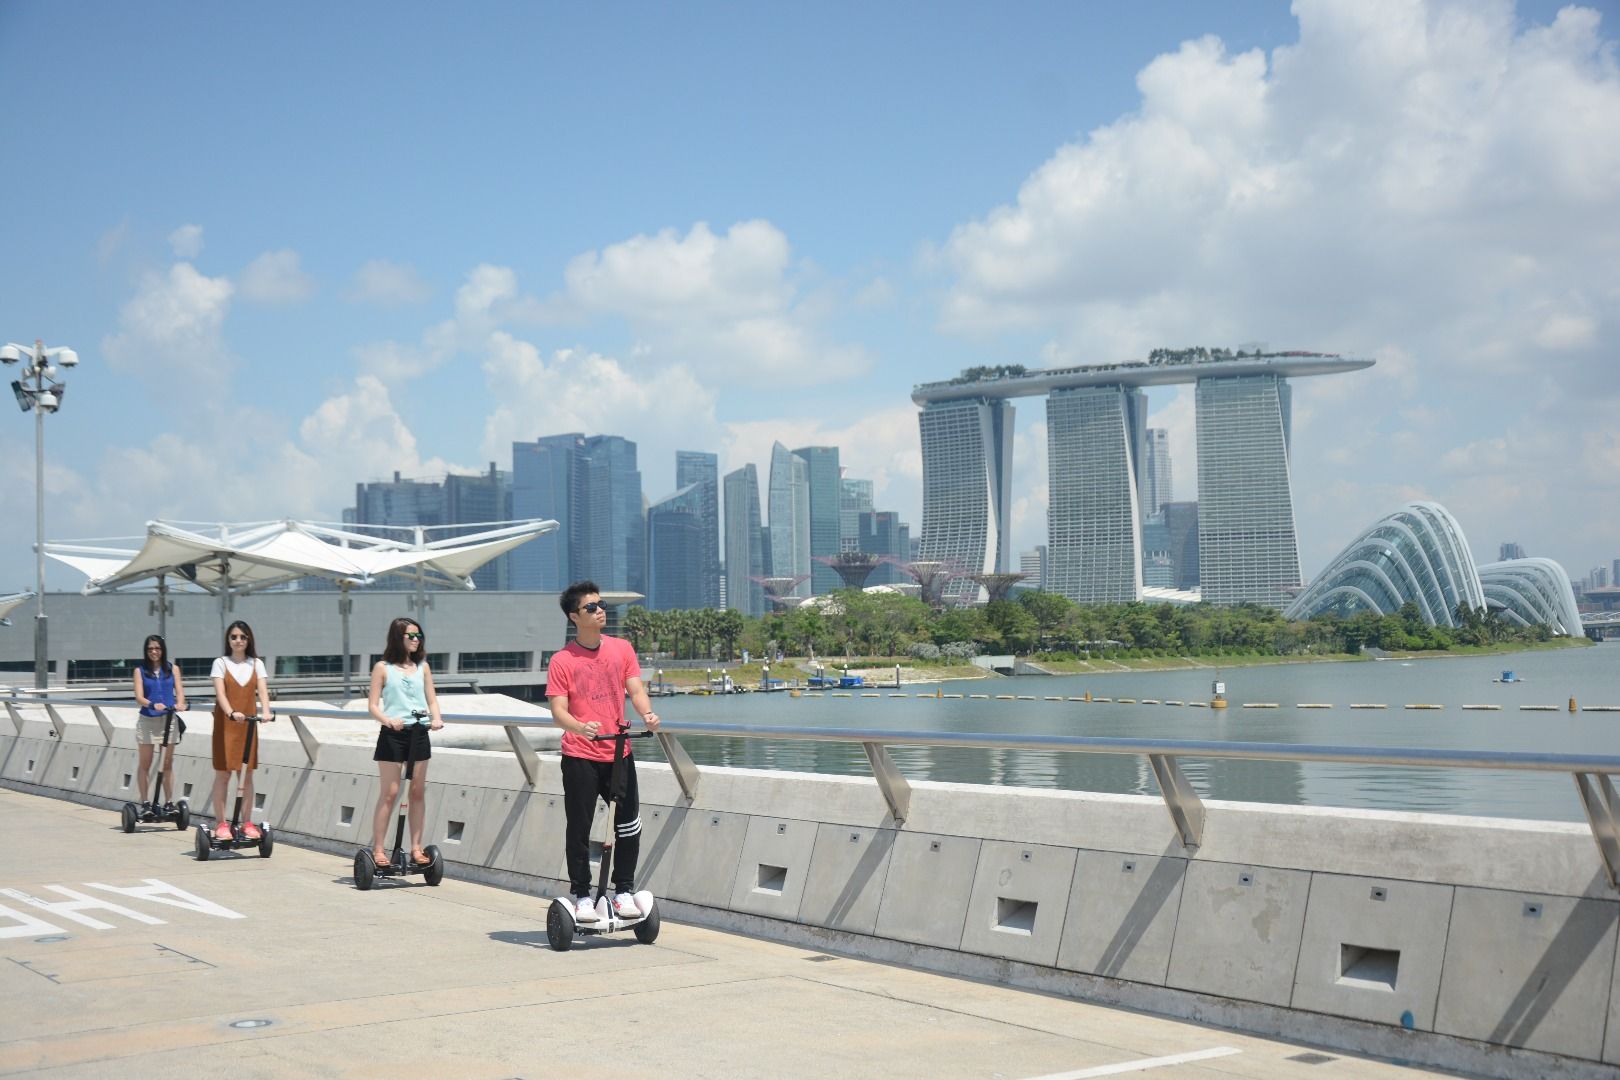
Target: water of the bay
x=1591, y=675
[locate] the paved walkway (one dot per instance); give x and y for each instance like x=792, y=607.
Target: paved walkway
x=120, y=955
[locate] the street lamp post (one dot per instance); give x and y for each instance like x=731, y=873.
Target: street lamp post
x=39, y=390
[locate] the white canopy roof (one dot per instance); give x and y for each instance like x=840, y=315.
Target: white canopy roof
x=12, y=600
x=247, y=558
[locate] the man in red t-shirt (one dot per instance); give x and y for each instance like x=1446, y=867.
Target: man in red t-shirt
x=587, y=683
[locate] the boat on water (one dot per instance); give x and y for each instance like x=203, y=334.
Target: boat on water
x=1508, y=676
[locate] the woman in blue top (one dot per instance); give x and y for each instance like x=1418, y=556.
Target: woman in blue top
x=401, y=686
x=157, y=690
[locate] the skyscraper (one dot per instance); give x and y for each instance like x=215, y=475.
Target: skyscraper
x=608, y=528
x=675, y=557
x=1508, y=551
x=1094, y=519
x=703, y=469
x=478, y=500
x=1156, y=472
x=1247, y=547
x=745, y=548
x=399, y=502
x=1181, y=523
x=854, y=498
x=1032, y=564
x=967, y=486
x=825, y=503
x=883, y=533
x=544, y=473
x=790, y=516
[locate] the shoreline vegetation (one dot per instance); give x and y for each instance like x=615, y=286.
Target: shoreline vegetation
x=879, y=672
x=871, y=633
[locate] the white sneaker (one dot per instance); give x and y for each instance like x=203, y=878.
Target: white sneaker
x=624, y=906
x=584, y=910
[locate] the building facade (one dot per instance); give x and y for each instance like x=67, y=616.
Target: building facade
x=1156, y=473
x=745, y=542
x=967, y=487
x=703, y=469
x=826, y=503
x=544, y=473
x=790, y=517
x=1093, y=437
x=676, y=552
x=1248, y=551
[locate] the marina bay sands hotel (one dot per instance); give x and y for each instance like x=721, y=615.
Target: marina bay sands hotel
x=1096, y=437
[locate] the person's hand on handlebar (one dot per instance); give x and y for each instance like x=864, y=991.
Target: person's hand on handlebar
x=651, y=720
x=590, y=730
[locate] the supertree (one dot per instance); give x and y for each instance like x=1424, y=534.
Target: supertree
x=779, y=589
x=931, y=576
x=997, y=585
x=852, y=567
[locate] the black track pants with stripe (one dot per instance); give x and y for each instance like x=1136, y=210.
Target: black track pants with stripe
x=585, y=781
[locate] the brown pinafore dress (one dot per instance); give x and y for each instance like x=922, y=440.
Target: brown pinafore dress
x=229, y=735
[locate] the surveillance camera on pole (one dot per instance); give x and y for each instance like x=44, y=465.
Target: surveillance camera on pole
x=39, y=390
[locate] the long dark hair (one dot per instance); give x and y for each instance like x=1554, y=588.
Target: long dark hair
x=252, y=649
x=396, y=651
x=163, y=658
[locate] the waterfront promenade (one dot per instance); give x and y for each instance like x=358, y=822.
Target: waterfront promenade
x=279, y=967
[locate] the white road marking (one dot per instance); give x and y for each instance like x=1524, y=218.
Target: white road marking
x=1141, y=1064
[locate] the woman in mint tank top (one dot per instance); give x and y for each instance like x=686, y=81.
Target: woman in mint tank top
x=401, y=687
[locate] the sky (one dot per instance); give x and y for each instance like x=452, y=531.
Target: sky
x=306, y=245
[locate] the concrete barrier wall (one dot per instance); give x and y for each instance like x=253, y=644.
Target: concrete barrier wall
x=1485, y=934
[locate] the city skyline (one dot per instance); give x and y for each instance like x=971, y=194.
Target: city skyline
x=277, y=294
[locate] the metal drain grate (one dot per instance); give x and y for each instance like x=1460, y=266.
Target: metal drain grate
x=820, y=959
x=1313, y=1059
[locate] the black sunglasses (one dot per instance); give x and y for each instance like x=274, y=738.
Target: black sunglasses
x=593, y=607
x=417, y=636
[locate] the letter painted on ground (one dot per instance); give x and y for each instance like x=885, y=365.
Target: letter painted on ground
x=80, y=902
x=161, y=892
x=26, y=925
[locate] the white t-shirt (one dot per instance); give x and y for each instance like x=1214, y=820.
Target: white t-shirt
x=241, y=672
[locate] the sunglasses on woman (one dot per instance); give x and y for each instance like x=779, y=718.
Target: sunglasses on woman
x=413, y=637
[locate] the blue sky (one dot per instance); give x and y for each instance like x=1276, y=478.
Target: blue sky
x=305, y=246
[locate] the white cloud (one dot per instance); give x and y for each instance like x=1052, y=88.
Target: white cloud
x=720, y=304
x=173, y=326
x=276, y=277
x=880, y=446
x=388, y=284
x=187, y=241
x=1428, y=183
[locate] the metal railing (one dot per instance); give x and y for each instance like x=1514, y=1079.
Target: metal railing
x=1593, y=773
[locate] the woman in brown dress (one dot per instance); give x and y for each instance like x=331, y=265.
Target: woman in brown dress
x=239, y=682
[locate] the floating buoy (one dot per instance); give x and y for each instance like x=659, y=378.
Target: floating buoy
x=1312, y=705
x=1429, y=707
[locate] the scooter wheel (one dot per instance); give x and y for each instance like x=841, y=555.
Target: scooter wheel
x=182, y=815
x=559, y=927
x=433, y=873
x=267, y=841
x=203, y=845
x=647, y=929
x=365, y=869
x=128, y=816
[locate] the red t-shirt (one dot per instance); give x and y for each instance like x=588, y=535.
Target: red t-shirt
x=593, y=680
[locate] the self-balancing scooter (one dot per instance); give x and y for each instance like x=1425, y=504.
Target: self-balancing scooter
x=207, y=842
x=561, y=926
x=157, y=810
x=366, y=867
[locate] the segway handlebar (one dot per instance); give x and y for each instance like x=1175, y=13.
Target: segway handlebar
x=626, y=734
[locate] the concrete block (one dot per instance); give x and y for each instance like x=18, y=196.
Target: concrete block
x=1122, y=915
x=538, y=845
x=28, y=758
x=1238, y=933
x=660, y=828
x=73, y=767
x=847, y=870
x=499, y=828
x=1019, y=900
x=705, y=856
x=1611, y=1042
x=1372, y=949
x=117, y=779
x=198, y=772
x=1528, y=970
x=773, y=866
x=454, y=813
x=337, y=806
x=925, y=896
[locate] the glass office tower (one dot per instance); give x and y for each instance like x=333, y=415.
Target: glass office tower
x=745, y=549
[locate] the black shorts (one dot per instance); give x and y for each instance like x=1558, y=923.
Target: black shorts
x=402, y=746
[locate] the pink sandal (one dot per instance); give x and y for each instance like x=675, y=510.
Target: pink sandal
x=222, y=831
